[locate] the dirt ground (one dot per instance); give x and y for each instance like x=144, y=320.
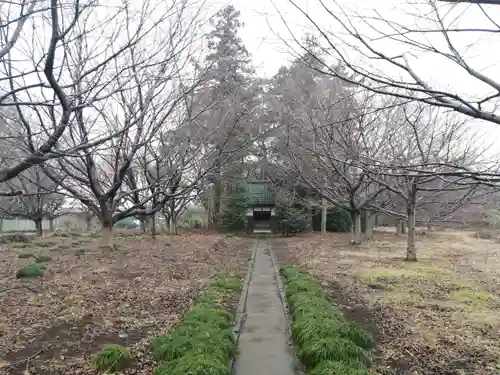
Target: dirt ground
x=90, y=296
x=439, y=315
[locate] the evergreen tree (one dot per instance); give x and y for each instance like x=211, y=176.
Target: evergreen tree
x=233, y=215
x=229, y=103
x=291, y=220
x=228, y=60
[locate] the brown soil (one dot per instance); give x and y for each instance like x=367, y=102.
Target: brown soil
x=52, y=325
x=434, y=317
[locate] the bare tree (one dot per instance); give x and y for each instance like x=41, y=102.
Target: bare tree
x=144, y=87
x=328, y=130
x=377, y=49
x=31, y=78
x=427, y=144
x=40, y=199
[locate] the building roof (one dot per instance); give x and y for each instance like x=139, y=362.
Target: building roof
x=260, y=192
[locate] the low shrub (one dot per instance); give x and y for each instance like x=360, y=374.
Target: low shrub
x=31, y=270
x=112, y=358
x=291, y=220
x=337, y=220
x=327, y=343
x=203, y=343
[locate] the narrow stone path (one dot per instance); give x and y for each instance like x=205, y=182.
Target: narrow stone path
x=263, y=343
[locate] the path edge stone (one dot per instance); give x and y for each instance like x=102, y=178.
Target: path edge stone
x=281, y=293
x=239, y=317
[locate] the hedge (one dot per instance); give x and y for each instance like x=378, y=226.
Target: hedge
x=203, y=343
x=327, y=344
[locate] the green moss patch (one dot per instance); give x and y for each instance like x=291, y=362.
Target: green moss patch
x=31, y=270
x=326, y=342
x=112, y=358
x=203, y=343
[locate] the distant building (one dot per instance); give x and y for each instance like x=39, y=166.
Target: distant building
x=77, y=220
x=261, y=216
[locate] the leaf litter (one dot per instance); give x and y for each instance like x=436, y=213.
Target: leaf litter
x=438, y=316
x=52, y=325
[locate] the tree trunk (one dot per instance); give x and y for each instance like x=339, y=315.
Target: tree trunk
x=153, y=226
x=88, y=222
x=51, y=225
x=403, y=226
x=430, y=227
x=411, y=250
x=353, y=228
x=218, y=191
x=324, y=215
x=310, y=226
x=38, y=227
x=144, y=226
x=107, y=235
x=173, y=224
x=398, y=225
x=358, y=236
x=369, y=218
x=1, y=224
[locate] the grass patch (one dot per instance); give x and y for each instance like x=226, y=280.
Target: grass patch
x=338, y=368
x=194, y=363
x=44, y=243
x=80, y=252
x=14, y=237
x=411, y=271
x=327, y=343
x=25, y=255
x=203, y=343
x=43, y=258
x=62, y=234
x=31, y=270
x=473, y=297
x=333, y=349
x=112, y=358
x=20, y=245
